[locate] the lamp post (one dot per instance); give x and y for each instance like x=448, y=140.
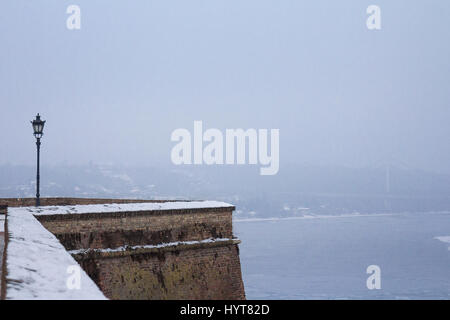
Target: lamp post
x=38, y=128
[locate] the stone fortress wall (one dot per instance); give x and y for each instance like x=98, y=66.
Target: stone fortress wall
x=155, y=254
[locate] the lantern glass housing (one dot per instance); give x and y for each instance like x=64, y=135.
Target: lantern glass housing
x=38, y=127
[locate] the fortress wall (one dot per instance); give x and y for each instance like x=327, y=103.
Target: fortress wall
x=204, y=271
x=111, y=230
x=174, y=257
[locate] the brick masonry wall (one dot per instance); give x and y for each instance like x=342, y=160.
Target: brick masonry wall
x=103, y=231
x=205, y=272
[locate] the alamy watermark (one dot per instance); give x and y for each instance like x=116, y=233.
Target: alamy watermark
x=374, y=280
x=73, y=22
x=373, y=22
x=229, y=148
x=73, y=281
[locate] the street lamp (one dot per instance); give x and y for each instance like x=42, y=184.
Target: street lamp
x=38, y=128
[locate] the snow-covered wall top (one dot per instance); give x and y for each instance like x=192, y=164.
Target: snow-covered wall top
x=123, y=207
x=39, y=267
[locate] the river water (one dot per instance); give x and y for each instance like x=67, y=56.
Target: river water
x=326, y=257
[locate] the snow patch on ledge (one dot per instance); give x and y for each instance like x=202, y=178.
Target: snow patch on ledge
x=123, y=207
x=445, y=239
x=162, y=245
x=37, y=263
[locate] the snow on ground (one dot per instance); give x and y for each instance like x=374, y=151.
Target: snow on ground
x=100, y=208
x=38, y=265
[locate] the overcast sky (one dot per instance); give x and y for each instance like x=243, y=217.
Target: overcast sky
x=137, y=70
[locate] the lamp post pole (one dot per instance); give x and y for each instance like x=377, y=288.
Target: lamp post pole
x=38, y=128
x=38, y=177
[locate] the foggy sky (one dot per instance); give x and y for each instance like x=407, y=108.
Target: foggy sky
x=137, y=70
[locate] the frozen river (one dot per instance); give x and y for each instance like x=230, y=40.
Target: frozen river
x=327, y=257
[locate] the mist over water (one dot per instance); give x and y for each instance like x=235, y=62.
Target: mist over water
x=296, y=191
